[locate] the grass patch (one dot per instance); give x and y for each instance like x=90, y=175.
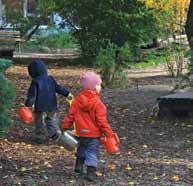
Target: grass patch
x=58, y=41
x=150, y=60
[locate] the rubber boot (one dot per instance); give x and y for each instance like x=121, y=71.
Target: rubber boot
x=79, y=165
x=91, y=173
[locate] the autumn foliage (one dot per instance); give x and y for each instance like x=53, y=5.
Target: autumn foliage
x=176, y=11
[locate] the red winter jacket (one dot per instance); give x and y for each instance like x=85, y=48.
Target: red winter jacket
x=89, y=114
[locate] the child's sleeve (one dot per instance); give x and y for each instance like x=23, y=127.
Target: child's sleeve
x=69, y=119
x=101, y=120
x=31, y=95
x=60, y=89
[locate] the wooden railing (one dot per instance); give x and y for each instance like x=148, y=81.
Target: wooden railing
x=8, y=41
x=10, y=36
x=65, y=54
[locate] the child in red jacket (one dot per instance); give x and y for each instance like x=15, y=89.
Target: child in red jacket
x=89, y=114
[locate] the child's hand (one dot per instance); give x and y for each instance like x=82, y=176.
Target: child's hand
x=69, y=99
x=70, y=96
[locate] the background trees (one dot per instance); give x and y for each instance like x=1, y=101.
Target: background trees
x=170, y=16
x=107, y=25
x=95, y=24
x=189, y=25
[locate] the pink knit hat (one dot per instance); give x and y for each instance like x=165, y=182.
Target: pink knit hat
x=89, y=80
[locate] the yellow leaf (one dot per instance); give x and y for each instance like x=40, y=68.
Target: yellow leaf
x=190, y=166
x=175, y=178
x=129, y=168
x=98, y=174
x=145, y=146
x=131, y=183
x=29, y=146
x=47, y=164
x=155, y=178
x=23, y=169
x=112, y=167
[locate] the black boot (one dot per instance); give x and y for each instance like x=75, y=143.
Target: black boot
x=91, y=173
x=79, y=165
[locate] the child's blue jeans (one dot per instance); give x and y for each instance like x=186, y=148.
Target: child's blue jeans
x=88, y=149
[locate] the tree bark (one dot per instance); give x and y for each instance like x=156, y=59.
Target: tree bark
x=32, y=32
x=25, y=8
x=189, y=25
x=1, y=13
x=156, y=43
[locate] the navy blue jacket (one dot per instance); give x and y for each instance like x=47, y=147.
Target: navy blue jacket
x=43, y=88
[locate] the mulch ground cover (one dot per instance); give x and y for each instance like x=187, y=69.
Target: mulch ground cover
x=153, y=152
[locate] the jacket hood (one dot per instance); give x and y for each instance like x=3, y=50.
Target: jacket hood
x=87, y=99
x=37, y=68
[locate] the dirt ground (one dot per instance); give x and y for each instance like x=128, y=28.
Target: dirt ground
x=153, y=152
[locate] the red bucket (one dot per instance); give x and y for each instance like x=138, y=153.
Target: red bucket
x=111, y=143
x=26, y=115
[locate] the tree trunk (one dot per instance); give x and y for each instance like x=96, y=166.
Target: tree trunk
x=189, y=25
x=156, y=43
x=114, y=69
x=32, y=32
x=25, y=7
x=1, y=13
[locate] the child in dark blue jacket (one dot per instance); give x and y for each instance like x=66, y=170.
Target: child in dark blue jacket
x=42, y=94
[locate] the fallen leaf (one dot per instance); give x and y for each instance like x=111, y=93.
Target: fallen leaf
x=190, y=166
x=29, y=146
x=145, y=146
x=155, y=178
x=36, y=167
x=175, y=178
x=47, y=164
x=99, y=174
x=23, y=169
x=131, y=183
x=129, y=167
x=102, y=161
x=112, y=167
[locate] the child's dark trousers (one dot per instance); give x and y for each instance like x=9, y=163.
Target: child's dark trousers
x=43, y=121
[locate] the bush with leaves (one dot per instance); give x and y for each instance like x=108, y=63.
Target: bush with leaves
x=6, y=97
x=113, y=71
x=175, y=59
x=59, y=40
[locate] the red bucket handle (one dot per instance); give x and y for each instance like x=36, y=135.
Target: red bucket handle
x=116, y=138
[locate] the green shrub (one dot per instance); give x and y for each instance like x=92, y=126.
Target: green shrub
x=60, y=40
x=150, y=59
x=175, y=59
x=106, y=64
x=6, y=97
x=113, y=74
